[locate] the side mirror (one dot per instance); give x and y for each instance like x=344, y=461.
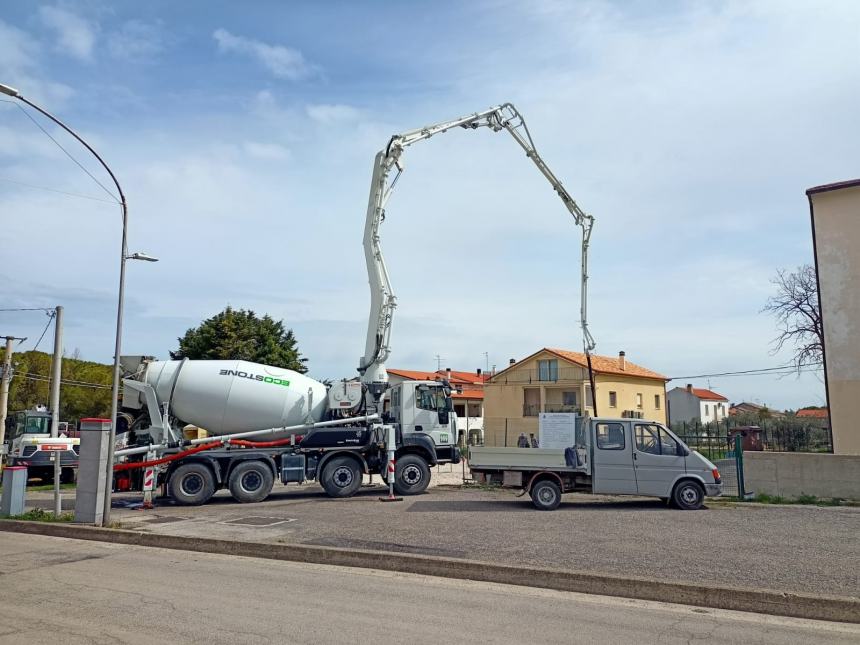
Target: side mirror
x=444, y=417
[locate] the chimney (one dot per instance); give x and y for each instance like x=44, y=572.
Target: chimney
x=448, y=373
x=622, y=360
x=512, y=361
x=690, y=388
x=478, y=371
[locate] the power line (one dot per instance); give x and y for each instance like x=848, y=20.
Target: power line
x=51, y=316
x=55, y=190
x=29, y=309
x=68, y=154
x=775, y=371
x=71, y=383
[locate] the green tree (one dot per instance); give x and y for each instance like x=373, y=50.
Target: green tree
x=237, y=334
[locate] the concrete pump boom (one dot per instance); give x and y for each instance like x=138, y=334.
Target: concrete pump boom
x=382, y=299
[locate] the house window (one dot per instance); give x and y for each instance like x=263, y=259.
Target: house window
x=656, y=401
x=460, y=410
x=613, y=399
x=639, y=400
x=706, y=409
x=568, y=397
x=548, y=370
x=531, y=402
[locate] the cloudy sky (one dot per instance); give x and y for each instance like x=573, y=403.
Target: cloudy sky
x=243, y=136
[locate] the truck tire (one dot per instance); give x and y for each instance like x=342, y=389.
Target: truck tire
x=546, y=495
x=251, y=481
x=68, y=476
x=341, y=477
x=688, y=495
x=192, y=484
x=411, y=475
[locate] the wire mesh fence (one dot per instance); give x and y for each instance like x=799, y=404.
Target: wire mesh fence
x=787, y=434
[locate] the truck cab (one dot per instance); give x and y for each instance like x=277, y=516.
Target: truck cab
x=423, y=410
x=28, y=437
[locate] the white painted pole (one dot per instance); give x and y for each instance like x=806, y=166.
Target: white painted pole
x=56, y=375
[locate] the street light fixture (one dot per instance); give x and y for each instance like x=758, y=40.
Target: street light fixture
x=124, y=255
x=141, y=255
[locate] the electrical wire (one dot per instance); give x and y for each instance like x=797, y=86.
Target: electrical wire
x=46, y=379
x=29, y=309
x=785, y=369
x=55, y=190
x=51, y=316
x=68, y=154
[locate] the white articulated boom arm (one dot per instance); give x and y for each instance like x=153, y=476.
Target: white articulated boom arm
x=382, y=300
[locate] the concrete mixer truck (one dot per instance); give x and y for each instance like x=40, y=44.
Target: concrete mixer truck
x=329, y=433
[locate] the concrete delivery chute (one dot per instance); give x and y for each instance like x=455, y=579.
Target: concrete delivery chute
x=345, y=425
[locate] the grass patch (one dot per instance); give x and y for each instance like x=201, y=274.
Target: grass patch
x=764, y=498
x=40, y=487
x=41, y=515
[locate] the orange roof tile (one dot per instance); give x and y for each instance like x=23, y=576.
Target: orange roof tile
x=414, y=375
x=607, y=364
x=816, y=414
x=468, y=377
x=710, y=395
x=468, y=394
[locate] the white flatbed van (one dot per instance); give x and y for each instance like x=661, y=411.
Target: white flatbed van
x=608, y=457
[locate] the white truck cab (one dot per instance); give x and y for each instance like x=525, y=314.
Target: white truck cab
x=608, y=456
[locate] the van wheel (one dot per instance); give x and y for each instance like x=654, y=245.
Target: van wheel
x=688, y=496
x=251, y=481
x=341, y=477
x=192, y=484
x=411, y=475
x=546, y=495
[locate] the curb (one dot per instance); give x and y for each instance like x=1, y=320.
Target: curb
x=795, y=605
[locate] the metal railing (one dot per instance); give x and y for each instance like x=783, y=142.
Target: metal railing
x=564, y=374
x=784, y=434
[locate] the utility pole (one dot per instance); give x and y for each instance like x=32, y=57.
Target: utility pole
x=4, y=391
x=56, y=374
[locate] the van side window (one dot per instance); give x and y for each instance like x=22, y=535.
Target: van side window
x=647, y=439
x=610, y=436
x=668, y=445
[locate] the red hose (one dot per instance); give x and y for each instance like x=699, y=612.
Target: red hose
x=131, y=465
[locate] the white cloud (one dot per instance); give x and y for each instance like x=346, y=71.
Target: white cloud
x=327, y=113
x=265, y=150
x=283, y=62
x=136, y=40
x=20, y=55
x=75, y=35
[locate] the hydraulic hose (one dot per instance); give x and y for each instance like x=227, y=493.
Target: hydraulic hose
x=131, y=465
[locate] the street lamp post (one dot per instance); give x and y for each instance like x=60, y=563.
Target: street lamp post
x=124, y=255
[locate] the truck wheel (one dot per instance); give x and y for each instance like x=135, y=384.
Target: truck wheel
x=67, y=476
x=688, y=496
x=251, y=481
x=192, y=484
x=341, y=477
x=546, y=495
x=411, y=475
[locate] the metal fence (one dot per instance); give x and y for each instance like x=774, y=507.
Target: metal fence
x=773, y=435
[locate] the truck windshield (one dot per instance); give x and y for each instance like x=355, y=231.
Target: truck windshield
x=432, y=398
x=37, y=425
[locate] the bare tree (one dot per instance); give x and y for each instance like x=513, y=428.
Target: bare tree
x=798, y=315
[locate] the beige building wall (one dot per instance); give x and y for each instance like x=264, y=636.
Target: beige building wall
x=836, y=234
x=506, y=396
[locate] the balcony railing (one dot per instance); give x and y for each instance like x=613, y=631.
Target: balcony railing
x=534, y=409
x=552, y=376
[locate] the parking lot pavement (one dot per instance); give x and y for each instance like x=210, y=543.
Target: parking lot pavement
x=786, y=548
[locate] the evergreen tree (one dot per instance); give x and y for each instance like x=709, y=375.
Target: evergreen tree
x=237, y=334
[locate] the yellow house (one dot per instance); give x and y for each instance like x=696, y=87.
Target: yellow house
x=556, y=380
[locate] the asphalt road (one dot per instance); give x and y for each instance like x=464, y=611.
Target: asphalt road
x=54, y=590
x=784, y=548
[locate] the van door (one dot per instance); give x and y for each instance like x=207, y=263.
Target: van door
x=613, y=458
x=657, y=458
